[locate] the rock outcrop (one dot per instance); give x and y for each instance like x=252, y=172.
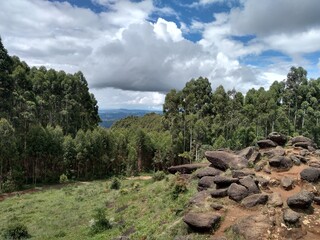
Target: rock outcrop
x=224, y=160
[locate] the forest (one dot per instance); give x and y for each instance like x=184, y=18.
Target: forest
x=49, y=124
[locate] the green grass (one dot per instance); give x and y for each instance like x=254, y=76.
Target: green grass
x=144, y=208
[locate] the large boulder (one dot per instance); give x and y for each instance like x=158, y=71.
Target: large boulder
x=278, y=138
x=267, y=143
x=207, y=171
x=186, y=168
x=254, y=200
x=250, y=184
x=201, y=222
x=237, y=192
x=224, y=182
x=224, y=160
x=303, y=142
x=206, y=182
x=302, y=200
x=247, y=152
x=281, y=162
x=310, y=174
x=278, y=151
x=253, y=227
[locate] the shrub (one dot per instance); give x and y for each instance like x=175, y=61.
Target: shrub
x=158, y=176
x=63, y=178
x=115, y=184
x=99, y=223
x=179, y=186
x=124, y=191
x=16, y=231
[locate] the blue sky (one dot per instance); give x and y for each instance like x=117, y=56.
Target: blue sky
x=133, y=52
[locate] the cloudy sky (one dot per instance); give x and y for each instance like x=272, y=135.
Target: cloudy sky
x=132, y=52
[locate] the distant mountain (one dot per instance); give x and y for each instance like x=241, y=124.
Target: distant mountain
x=108, y=117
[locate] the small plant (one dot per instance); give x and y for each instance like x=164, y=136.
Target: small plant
x=63, y=178
x=179, y=186
x=115, y=184
x=99, y=223
x=135, y=186
x=16, y=231
x=124, y=191
x=158, y=176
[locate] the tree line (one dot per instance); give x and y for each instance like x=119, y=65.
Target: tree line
x=49, y=124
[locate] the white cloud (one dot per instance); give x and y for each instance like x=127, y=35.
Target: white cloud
x=167, y=30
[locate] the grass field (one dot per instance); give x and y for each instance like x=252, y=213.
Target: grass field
x=141, y=209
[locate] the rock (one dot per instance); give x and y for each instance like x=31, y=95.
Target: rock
x=287, y=183
x=281, y=162
x=278, y=138
x=224, y=182
x=274, y=182
x=302, y=200
x=207, y=171
x=278, y=151
x=305, y=145
x=186, y=168
x=317, y=153
x=302, y=159
x=237, y=192
x=216, y=206
x=259, y=166
x=242, y=173
x=254, y=200
x=206, y=182
x=311, y=149
x=314, y=163
x=250, y=184
x=262, y=182
x=296, y=161
x=254, y=227
x=201, y=222
x=300, y=139
x=199, y=198
x=267, y=169
x=255, y=157
x=317, y=200
x=267, y=143
x=246, y=153
x=224, y=160
x=310, y=174
x=304, y=152
x=275, y=200
x=291, y=218
x=219, y=193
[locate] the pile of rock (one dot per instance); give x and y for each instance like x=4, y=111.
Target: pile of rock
x=239, y=177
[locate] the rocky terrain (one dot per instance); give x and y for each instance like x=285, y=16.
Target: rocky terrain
x=265, y=192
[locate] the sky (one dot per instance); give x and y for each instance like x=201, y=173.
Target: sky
x=133, y=52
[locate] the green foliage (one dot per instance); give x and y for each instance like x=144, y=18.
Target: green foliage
x=99, y=223
x=63, y=178
x=158, y=176
x=16, y=231
x=115, y=184
x=179, y=186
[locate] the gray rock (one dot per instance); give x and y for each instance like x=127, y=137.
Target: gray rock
x=300, y=139
x=296, y=161
x=219, y=193
x=207, y=171
x=259, y=166
x=186, y=168
x=199, y=198
x=317, y=200
x=317, y=153
x=247, y=152
x=281, y=162
x=254, y=200
x=302, y=200
x=302, y=159
x=224, y=182
x=278, y=151
x=314, y=163
x=242, y=173
x=287, y=183
x=278, y=138
x=206, y=182
x=262, y=181
x=311, y=149
x=275, y=200
x=310, y=174
x=304, y=152
x=216, y=206
x=291, y=218
x=305, y=145
x=237, y=192
x=267, y=143
x=255, y=157
x=201, y=222
x=250, y=184
x=224, y=160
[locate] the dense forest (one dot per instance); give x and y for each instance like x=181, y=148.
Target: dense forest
x=49, y=124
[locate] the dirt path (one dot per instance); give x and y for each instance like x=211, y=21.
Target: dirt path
x=139, y=178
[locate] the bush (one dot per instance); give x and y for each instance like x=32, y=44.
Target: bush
x=115, y=184
x=158, y=176
x=16, y=231
x=99, y=223
x=63, y=179
x=179, y=186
